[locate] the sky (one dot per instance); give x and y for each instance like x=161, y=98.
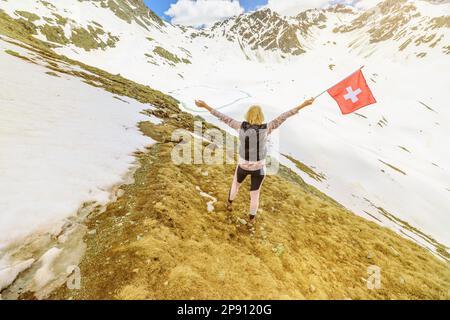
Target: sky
x=198, y=13
x=161, y=6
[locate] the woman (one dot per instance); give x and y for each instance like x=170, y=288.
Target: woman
x=253, y=135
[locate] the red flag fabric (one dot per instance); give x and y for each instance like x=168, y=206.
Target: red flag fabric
x=352, y=93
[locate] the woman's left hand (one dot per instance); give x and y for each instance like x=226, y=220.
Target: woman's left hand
x=308, y=102
x=305, y=104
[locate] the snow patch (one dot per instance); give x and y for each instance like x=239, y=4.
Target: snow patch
x=45, y=273
x=9, y=270
x=64, y=143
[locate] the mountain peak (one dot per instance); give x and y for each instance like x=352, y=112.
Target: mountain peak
x=132, y=10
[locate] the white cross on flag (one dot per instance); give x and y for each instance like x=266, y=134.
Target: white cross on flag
x=352, y=93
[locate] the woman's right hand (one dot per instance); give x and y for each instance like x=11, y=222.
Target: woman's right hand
x=201, y=104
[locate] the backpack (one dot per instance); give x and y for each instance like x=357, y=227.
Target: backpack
x=253, y=141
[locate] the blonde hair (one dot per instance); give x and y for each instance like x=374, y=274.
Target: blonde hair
x=254, y=115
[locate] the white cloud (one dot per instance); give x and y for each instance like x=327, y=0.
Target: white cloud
x=202, y=12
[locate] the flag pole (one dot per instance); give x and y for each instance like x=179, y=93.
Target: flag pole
x=337, y=83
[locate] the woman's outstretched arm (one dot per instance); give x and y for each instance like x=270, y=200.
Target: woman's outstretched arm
x=222, y=117
x=278, y=121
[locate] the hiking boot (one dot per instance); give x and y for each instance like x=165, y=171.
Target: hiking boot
x=229, y=206
x=251, y=223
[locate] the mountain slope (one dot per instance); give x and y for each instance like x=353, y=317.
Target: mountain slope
x=157, y=238
x=392, y=27
x=108, y=34
x=402, y=23
x=332, y=42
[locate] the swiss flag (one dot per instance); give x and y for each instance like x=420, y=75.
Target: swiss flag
x=352, y=93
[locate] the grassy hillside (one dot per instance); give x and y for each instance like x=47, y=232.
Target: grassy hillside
x=158, y=240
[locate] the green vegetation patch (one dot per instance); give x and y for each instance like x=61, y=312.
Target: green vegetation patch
x=28, y=25
x=446, y=49
x=18, y=55
x=166, y=54
x=306, y=169
x=97, y=24
x=51, y=73
x=440, y=22
x=89, y=39
x=421, y=55
x=48, y=4
x=48, y=20
x=169, y=56
x=62, y=21
x=392, y=167
x=426, y=106
x=54, y=34
x=383, y=122
x=31, y=17
x=405, y=44
x=404, y=149
x=84, y=39
x=359, y=115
